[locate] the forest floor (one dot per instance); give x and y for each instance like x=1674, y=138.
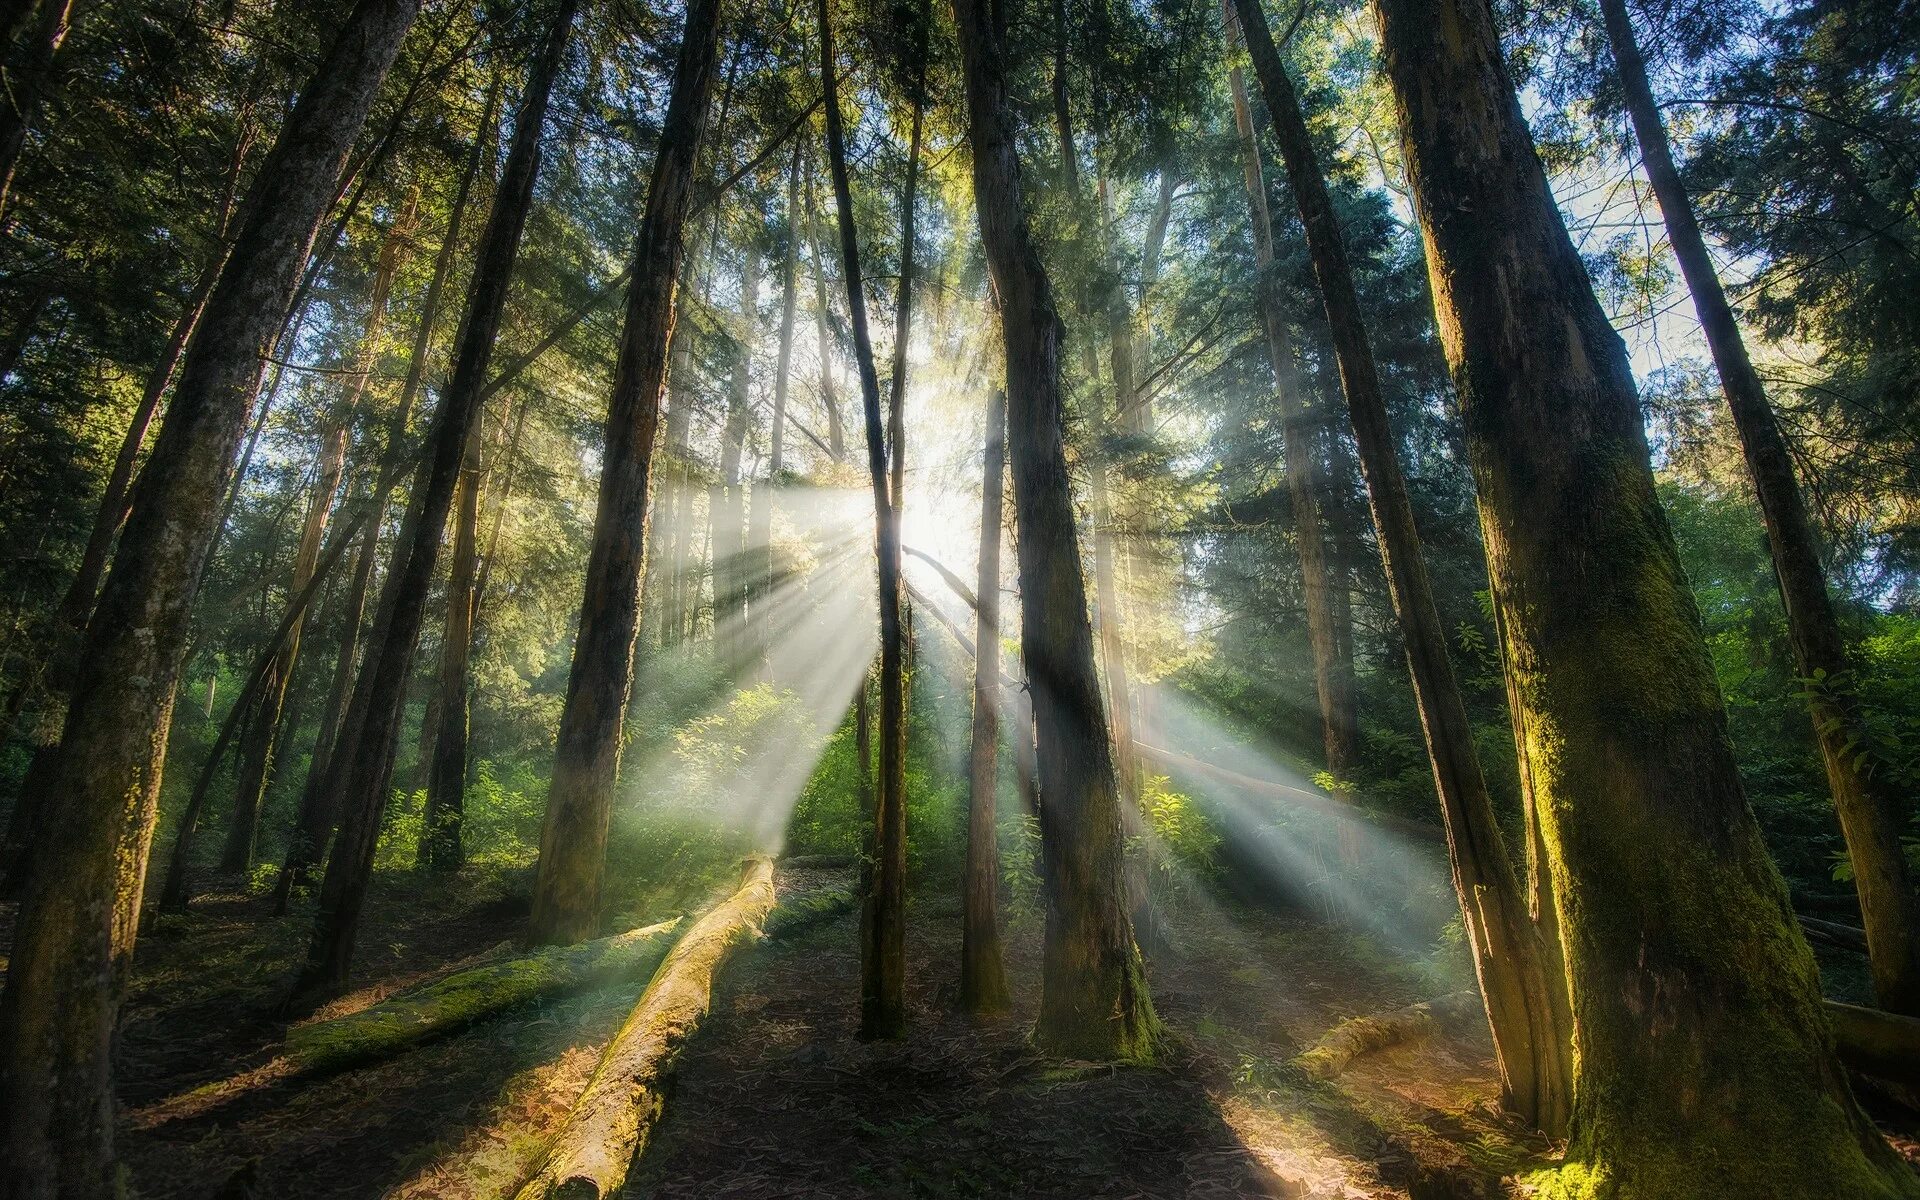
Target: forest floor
x=776, y=1096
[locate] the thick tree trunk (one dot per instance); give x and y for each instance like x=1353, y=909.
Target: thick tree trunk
x=983, y=977
x=1332, y=672
x=29, y=76
x=883, y=943
x=1864, y=792
x=440, y=837
x=1094, y=1001
x=361, y=769
x=1703, y=1061
x=573, y=838
x=1520, y=976
x=76, y=927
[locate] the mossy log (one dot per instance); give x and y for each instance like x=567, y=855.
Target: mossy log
x=588, y=1158
x=796, y=916
x=465, y=997
x=1350, y=1039
x=1881, y=1044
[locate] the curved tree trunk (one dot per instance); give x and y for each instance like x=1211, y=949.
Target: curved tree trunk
x=983, y=976
x=361, y=768
x=573, y=838
x=883, y=930
x=1864, y=792
x=1703, y=1062
x=77, y=922
x=1094, y=1001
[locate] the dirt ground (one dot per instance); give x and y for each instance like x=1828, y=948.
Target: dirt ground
x=776, y=1097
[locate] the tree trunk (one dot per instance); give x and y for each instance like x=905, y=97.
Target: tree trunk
x=1094, y=1001
x=1864, y=792
x=361, y=768
x=1703, y=1063
x=573, y=838
x=1520, y=977
x=29, y=76
x=440, y=840
x=883, y=943
x=829, y=397
x=1332, y=672
x=733, y=576
x=983, y=977
x=76, y=926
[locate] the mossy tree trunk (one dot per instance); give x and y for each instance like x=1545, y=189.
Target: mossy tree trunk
x=75, y=932
x=1094, y=1001
x=1704, y=1064
x=983, y=976
x=1865, y=794
x=573, y=837
x=883, y=944
x=361, y=771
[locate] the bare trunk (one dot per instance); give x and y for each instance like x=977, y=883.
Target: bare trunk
x=829, y=397
x=883, y=943
x=983, y=977
x=77, y=922
x=361, y=769
x=30, y=67
x=1094, y=1001
x=440, y=837
x=1864, y=792
x=1703, y=1062
x=573, y=839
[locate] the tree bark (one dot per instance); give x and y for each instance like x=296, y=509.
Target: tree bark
x=983, y=977
x=573, y=838
x=732, y=571
x=1306, y=482
x=1864, y=793
x=440, y=838
x=883, y=945
x=1094, y=1001
x=1703, y=1063
x=29, y=75
x=829, y=396
x=361, y=768
x=1520, y=977
x=77, y=922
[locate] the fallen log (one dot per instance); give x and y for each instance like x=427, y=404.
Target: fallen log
x=792, y=917
x=1845, y=937
x=589, y=1157
x=1881, y=1044
x=1350, y=1039
x=466, y=997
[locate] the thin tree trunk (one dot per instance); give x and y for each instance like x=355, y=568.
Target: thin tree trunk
x=1703, y=1062
x=1094, y=1001
x=1520, y=977
x=29, y=77
x=732, y=571
x=883, y=947
x=983, y=977
x=1332, y=672
x=1864, y=792
x=573, y=838
x=760, y=522
x=361, y=768
x=829, y=396
x=77, y=922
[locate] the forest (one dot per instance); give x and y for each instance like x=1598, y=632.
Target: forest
x=1031, y=598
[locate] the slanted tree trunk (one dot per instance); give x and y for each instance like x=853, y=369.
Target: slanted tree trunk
x=315, y=820
x=1520, y=976
x=1864, y=791
x=883, y=943
x=440, y=840
x=1094, y=1001
x=573, y=838
x=29, y=76
x=983, y=976
x=78, y=918
x=1306, y=491
x=360, y=771
x=1703, y=1063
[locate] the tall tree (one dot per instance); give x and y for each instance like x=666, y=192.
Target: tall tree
x=883, y=945
x=360, y=769
x=30, y=62
x=1094, y=1001
x=78, y=917
x=983, y=976
x=573, y=838
x=1703, y=1063
x=1520, y=977
x=1865, y=794
x=440, y=838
